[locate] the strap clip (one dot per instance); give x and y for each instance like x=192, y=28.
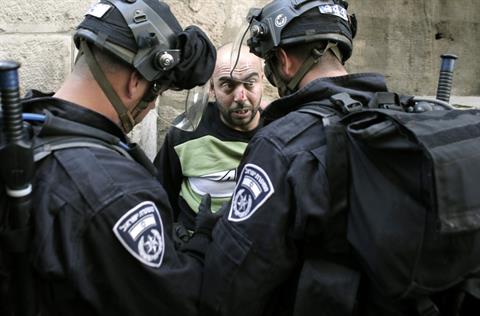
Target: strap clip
x=344, y=103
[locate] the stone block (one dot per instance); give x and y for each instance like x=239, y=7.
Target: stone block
x=145, y=134
x=45, y=60
x=25, y=16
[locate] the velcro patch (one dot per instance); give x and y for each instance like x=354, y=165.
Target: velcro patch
x=140, y=231
x=253, y=189
x=98, y=10
x=334, y=9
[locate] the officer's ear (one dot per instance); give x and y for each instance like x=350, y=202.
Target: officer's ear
x=288, y=63
x=136, y=86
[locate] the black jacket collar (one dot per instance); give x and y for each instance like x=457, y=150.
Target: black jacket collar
x=38, y=102
x=361, y=87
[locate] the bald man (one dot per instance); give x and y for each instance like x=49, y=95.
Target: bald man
x=192, y=164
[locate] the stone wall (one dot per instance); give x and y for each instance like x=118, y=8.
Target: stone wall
x=401, y=38
x=404, y=39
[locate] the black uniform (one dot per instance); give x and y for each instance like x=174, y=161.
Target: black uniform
x=191, y=164
x=102, y=239
x=280, y=215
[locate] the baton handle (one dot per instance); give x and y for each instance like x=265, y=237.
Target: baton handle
x=445, y=78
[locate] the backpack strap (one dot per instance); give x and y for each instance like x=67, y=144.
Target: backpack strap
x=17, y=240
x=317, y=109
x=46, y=146
x=339, y=104
x=331, y=112
x=472, y=286
x=334, y=272
x=81, y=135
x=458, y=300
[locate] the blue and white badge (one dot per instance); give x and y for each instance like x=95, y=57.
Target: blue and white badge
x=253, y=189
x=140, y=231
x=334, y=9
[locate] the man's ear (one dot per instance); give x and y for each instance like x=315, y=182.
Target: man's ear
x=288, y=64
x=135, y=85
x=211, y=92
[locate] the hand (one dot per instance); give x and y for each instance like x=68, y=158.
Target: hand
x=181, y=235
x=206, y=219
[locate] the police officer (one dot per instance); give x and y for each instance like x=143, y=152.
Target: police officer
x=280, y=249
x=102, y=223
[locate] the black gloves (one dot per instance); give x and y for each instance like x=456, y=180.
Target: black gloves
x=206, y=220
x=181, y=235
x=204, y=223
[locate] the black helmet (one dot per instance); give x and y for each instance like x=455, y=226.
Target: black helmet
x=292, y=22
x=140, y=33
x=145, y=35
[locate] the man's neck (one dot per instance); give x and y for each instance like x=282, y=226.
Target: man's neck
x=86, y=93
x=329, y=66
x=312, y=75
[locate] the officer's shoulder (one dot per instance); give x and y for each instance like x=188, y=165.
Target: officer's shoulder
x=97, y=176
x=287, y=129
x=102, y=163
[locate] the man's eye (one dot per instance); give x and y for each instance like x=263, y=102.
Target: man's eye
x=226, y=85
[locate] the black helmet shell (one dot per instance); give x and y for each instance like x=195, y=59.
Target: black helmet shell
x=141, y=33
x=292, y=22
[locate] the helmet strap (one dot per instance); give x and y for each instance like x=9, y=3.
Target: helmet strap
x=312, y=59
x=126, y=119
x=139, y=108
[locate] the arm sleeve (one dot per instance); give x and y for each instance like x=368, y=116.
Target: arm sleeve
x=105, y=234
x=170, y=171
x=119, y=270
x=251, y=255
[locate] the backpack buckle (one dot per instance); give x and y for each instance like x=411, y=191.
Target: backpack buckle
x=344, y=103
x=386, y=100
x=426, y=307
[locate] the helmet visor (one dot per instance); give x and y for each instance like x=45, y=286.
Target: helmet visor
x=195, y=104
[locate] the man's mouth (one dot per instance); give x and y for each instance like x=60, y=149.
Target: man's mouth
x=241, y=111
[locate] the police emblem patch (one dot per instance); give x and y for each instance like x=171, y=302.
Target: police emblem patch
x=253, y=189
x=280, y=20
x=140, y=231
x=334, y=9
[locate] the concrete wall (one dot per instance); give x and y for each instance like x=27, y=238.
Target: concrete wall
x=401, y=38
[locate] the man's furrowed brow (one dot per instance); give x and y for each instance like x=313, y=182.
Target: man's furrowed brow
x=236, y=79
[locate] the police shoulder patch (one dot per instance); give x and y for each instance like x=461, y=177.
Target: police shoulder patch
x=253, y=189
x=140, y=231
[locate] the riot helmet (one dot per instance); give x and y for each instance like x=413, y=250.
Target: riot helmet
x=145, y=35
x=325, y=24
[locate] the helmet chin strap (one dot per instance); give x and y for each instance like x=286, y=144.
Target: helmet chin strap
x=288, y=87
x=139, y=108
x=126, y=119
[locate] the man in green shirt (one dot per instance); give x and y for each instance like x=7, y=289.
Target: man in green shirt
x=194, y=163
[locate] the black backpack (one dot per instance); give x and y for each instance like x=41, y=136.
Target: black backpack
x=407, y=174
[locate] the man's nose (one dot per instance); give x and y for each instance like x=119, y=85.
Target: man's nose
x=240, y=94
